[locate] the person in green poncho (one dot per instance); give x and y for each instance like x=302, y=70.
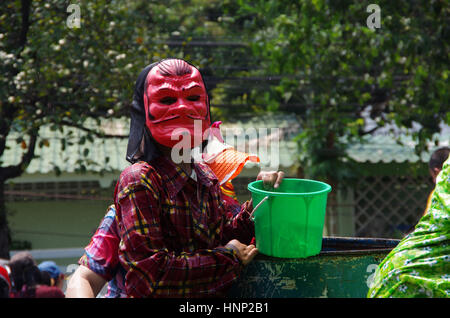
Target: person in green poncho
x=419, y=266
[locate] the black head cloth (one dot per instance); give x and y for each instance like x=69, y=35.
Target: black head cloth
x=138, y=128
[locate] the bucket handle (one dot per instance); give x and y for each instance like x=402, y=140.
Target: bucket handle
x=258, y=205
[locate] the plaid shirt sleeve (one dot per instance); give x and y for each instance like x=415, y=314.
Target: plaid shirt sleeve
x=101, y=254
x=240, y=226
x=153, y=270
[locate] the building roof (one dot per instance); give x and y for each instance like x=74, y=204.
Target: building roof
x=384, y=149
x=64, y=149
x=389, y=144
x=109, y=154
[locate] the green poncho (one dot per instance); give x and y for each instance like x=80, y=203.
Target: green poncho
x=420, y=264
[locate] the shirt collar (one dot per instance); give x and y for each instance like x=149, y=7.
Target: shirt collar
x=174, y=178
x=205, y=175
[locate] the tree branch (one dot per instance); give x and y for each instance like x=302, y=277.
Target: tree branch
x=96, y=133
x=369, y=132
x=26, y=4
x=15, y=171
x=7, y=111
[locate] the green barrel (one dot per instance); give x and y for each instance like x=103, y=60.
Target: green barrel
x=344, y=268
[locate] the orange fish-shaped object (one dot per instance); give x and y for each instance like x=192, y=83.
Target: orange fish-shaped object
x=225, y=161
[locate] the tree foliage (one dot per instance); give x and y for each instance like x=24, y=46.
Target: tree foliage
x=316, y=58
x=331, y=69
x=56, y=74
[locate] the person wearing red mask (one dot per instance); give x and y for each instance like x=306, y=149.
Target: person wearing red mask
x=100, y=262
x=177, y=237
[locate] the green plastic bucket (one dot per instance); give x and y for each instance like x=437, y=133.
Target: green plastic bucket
x=289, y=220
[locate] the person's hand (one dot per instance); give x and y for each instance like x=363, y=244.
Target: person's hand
x=244, y=252
x=271, y=178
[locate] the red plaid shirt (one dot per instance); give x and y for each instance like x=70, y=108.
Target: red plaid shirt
x=173, y=230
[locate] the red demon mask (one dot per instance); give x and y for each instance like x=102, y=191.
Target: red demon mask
x=176, y=102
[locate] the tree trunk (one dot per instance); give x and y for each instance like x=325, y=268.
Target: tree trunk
x=7, y=112
x=5, y=237
x=11, y=172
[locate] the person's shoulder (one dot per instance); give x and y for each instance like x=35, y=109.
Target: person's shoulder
x=135, y=172
x=139, y=173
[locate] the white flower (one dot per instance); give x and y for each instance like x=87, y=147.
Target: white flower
x=120, y=56
x=403, y=288
x=20, y=75
x=61, y=42
x=11, y=99
x=85, y=63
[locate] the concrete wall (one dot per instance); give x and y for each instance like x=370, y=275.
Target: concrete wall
x=55, y=224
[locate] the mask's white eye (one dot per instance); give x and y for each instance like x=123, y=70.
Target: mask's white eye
x=168, y=100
